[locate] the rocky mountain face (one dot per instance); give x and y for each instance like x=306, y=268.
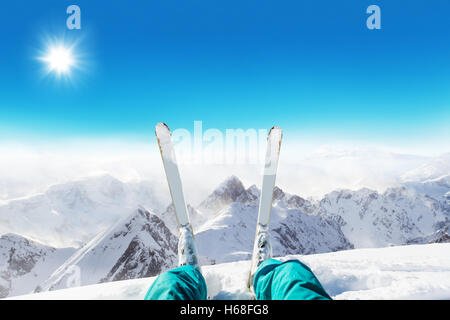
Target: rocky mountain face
x=24, y=263
x=169, y=218
x=411, y=213
x=138, y=246
x=394, y=217
x=440, y=236
x=228, y=234
x=229, y=191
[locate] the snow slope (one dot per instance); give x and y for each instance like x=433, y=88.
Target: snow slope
x=138, y=246
x=25, y=263
x=403, y=272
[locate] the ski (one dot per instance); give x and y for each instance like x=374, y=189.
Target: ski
x=187, y=254
x=262, y=248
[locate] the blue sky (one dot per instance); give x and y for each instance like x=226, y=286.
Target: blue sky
x=311, y=67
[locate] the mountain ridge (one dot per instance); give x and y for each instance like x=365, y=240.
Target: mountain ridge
x=138, y=245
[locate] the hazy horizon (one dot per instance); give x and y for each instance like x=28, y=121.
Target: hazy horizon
x=25, y=170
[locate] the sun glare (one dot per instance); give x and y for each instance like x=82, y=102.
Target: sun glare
x=59, y=59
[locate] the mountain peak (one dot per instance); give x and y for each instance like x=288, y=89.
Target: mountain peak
x=139, y=245
x=19, y=240
x=227, y=192
x=232, y=184
x=11, y=237
x=278, y=194
x=232, y=190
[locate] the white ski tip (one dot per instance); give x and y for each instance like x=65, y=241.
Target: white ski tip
x=275, y=128
x=162, y=132
x=160, y=127
x=275, y=132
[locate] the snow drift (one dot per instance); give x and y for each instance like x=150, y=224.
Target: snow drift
x=404, y=272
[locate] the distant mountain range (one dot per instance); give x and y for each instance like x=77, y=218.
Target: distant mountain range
x=72, y=213
x=123, y=231
x=227, y=234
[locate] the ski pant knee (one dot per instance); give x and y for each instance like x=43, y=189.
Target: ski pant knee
x=289, y=280
x=182, y=283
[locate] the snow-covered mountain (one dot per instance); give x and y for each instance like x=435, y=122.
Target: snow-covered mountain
x=119, y=246
x=228, y=233
x=333, y=167
x=411, y=213
x=440, y=236
x=72, y=213
x=437, y=188
x=227, y=192
x=434, y=168
x=394, y=217
x=169, y=218
x=25, y=263
x=403, y=272
x=139, y=245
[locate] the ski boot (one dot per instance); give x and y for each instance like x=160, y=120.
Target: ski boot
x=187, y=253
x=262, y=250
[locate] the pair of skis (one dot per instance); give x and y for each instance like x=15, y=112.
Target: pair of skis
x=187, y=251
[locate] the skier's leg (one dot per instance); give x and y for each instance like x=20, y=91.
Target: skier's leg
x=182, y=283
x=185, y=282
x=289, y=280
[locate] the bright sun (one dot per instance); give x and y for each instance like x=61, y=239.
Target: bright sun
x=59, y=59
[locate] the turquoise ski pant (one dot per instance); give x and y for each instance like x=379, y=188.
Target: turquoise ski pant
x=274, y=280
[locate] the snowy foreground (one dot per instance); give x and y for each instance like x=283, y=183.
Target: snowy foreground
x=407, y=272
